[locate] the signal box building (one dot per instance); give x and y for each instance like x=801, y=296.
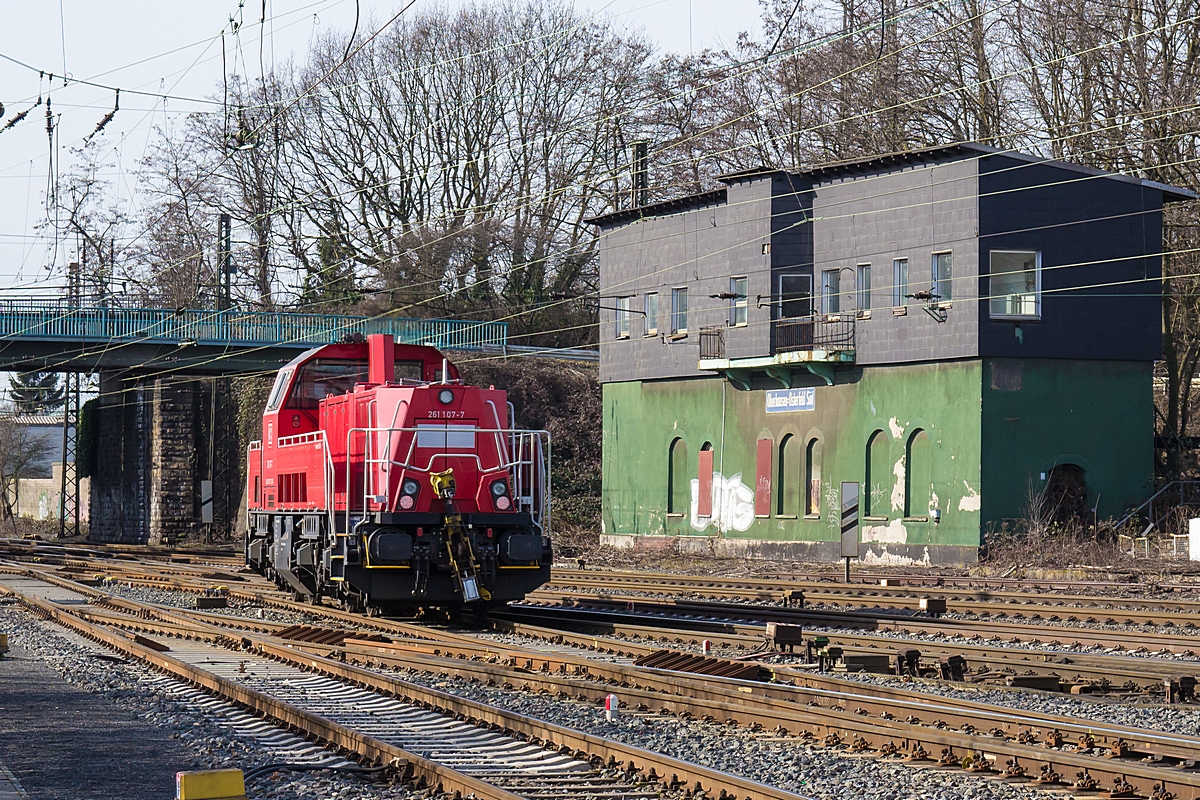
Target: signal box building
x=953, y=330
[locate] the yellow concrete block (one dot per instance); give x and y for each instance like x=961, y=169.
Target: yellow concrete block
x=212, y=784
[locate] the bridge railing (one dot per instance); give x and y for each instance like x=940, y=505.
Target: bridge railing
x=38, y=319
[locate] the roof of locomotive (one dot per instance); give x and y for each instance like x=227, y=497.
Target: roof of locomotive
x=359, y=350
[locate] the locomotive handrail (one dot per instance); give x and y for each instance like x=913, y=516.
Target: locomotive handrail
x=300, y=438
x=309, y=438
x=506, y=462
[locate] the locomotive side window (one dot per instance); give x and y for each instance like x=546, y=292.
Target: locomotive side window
x=325, y=378
x=410, y=371
x=277, y=391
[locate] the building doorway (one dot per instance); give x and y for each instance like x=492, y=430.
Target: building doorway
x=1067, y=493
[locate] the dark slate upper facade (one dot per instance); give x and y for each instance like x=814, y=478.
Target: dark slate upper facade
x=1082, y=246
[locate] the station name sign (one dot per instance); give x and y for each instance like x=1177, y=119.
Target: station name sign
x=782, y=400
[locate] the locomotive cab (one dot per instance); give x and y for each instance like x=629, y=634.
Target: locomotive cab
x=384, y=481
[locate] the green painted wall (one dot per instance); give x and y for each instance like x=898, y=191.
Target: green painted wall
x=1097, y=414
x=641, y=419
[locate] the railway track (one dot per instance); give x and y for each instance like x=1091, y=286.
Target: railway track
x=864, y=632
x=437, y=739
x=1058, y=751
x=842, y=714
x=644, y=631
x=1133, y=604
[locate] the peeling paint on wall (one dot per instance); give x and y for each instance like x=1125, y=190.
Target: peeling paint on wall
x=898, y=486
x=970, y=501
x=886, y=559
x=732, y=504
x=896, y=428
x=893, y=533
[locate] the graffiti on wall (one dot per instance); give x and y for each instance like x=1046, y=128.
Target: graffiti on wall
x=732, y=504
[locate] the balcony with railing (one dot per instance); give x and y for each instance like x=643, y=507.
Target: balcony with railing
x=799, y=345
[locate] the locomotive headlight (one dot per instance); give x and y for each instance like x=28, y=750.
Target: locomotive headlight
x=410, y=487
x=446, y=397
x=499, y=491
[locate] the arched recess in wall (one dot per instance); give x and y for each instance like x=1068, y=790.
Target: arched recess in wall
x=918, y=474
x=705, y=476
x=790, y=478
x=878, y=479
x=812, y=477
x=678, y=478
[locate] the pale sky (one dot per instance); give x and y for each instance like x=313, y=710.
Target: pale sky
x=174, y=48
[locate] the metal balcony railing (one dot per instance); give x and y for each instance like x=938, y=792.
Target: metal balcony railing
x=819, y=332
x=712, y=343
x=40, y=319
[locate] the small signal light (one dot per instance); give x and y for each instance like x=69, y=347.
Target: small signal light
x=498, y=488
x=445, y=397
x=410, y=487
x=407, y=502
x=503, y=503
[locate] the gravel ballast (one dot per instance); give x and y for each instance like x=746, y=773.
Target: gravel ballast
x=157, y=725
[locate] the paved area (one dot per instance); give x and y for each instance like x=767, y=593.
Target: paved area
x=63, y=743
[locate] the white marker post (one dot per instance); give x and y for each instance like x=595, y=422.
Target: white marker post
x=611, y=704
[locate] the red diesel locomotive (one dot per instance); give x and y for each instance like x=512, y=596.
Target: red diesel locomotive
x=383, y=481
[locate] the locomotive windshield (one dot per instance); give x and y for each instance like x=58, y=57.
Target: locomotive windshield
x=325, y=377
x=277, y=392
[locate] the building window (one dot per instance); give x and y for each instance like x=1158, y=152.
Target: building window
x=900, y=282
x=678, y=480
x=942, y=278
x=623, y=317
x=864, y=287
x=764, y=451
x=878, y=478
x=704, y=475
x=917, y=475
x=790, y=477
x=738, y=302
x=679, y=311
x=1016, y=284
x=812, y=478
x=831, y=291
x=651, y=309
x=795, y=296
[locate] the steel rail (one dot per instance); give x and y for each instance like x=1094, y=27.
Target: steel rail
x=752, y=704
x=871, y=579
x=1090, y=668
x=1137, y=610
x=634, y=760
x=367, y=748
x=884, y=620
x=1067, y=665
x=1072, y=666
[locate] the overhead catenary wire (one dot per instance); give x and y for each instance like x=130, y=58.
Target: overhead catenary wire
x=493, y=86
x=975, y=84
x=1019, y=166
